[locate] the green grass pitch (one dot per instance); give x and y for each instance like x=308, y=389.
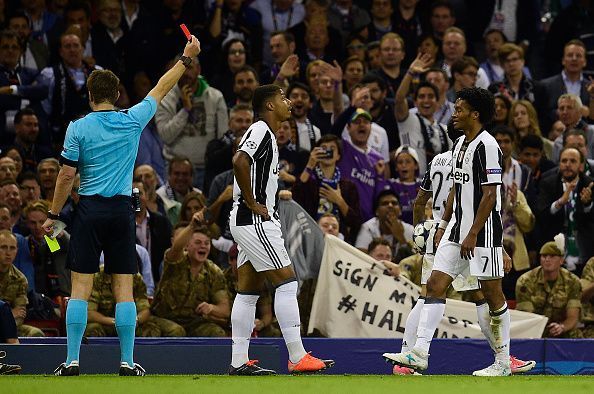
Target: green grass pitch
x=110, y=384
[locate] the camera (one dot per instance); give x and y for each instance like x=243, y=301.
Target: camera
x=136, y=199
x=328, y=153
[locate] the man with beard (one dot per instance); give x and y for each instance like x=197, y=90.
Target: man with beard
x=302, y=99
x=219, y=152
x=26, y=126
x=48, y=169
x=419, y=129
x=565, y=202
x=245, y=82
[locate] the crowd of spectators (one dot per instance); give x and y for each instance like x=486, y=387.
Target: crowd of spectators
x=372, y=84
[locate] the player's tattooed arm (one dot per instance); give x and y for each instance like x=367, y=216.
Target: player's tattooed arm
x=447, y=215
x=419, y=206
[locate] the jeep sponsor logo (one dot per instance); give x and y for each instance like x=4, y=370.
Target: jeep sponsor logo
x=461, y=177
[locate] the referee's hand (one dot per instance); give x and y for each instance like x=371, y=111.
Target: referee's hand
x=48, y=226
x=192, y=48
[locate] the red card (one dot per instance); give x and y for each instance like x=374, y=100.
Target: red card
x=186, y=31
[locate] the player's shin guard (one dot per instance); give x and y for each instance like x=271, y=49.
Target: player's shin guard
x=412, y=324
x=500, y=326
x=125, y=323
x=287, y=313
x=76, y=322
x=430, y=317
x=243, y=316
x=484, y=320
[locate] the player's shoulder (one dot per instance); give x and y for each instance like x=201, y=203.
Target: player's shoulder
x=487, y=139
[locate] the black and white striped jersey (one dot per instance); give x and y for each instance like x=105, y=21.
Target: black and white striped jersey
x=438, y=181
x=259, y=142
x=475, y=164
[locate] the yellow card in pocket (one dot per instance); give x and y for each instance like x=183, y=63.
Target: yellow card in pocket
x=53, y=244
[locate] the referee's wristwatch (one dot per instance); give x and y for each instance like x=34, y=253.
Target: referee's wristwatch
x=186, y=60
x=53, y=216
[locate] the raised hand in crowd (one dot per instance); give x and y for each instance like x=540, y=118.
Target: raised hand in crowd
x=396, y=227
x=380, y=168
x=586, y=194
x=362, y=98
x=332, y=71
x=289, y=69
x=187, y=91
x=421, y=64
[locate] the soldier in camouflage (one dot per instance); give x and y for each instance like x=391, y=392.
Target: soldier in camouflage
x=101, y=321
x=265, y=325
x=193, y=291
x=13, y=285
x=552, y=291
x=587, y=282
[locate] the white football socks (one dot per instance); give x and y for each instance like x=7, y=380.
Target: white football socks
x=430, y=317
x=243, y=315
x=500, y=326
x=287, y=314
x=412, y=323
x=484, y=320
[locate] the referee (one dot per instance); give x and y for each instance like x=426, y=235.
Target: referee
x=103, y=146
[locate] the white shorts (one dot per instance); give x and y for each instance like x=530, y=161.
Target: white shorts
x=486, y=264
x=462, y=282
x=262, y=245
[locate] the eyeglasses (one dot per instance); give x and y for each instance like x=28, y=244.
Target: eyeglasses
x=237, y=52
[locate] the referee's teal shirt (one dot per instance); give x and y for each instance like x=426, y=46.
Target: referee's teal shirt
x=103, y=145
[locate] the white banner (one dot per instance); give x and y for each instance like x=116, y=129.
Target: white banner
x=354, y=298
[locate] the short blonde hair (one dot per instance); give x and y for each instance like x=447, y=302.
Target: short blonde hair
x=392, y=36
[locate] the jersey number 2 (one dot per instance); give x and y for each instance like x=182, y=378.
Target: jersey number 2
x=436, y=205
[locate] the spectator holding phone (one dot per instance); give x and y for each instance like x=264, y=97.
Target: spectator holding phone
x=321, y=188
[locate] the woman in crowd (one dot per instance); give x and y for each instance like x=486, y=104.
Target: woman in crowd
x=502, y=108
x=235, y=56
x=523, y=120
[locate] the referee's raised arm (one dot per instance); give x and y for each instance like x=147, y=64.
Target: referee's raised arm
x=170, y=78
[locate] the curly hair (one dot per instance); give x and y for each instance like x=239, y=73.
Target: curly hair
x=480, y=100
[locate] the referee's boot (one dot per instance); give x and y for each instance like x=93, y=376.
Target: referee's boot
x=250, y=368
x=415, y=359
x=8, y=369
x=309, y=364
x=127, y=370
x=71, y=369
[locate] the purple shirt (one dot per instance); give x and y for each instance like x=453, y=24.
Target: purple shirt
x=406, y=192
x=359, y=168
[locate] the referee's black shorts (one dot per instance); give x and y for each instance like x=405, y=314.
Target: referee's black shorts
x=103, y=224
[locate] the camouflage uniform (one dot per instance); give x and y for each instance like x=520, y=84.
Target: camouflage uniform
x=13, y=290
x=179, y=294
x=411, y=268
x=265, y=301
x=588, y=306
x=535, y=294
x=102, y=301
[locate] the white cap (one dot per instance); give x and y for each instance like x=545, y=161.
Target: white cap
x=407, y=149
